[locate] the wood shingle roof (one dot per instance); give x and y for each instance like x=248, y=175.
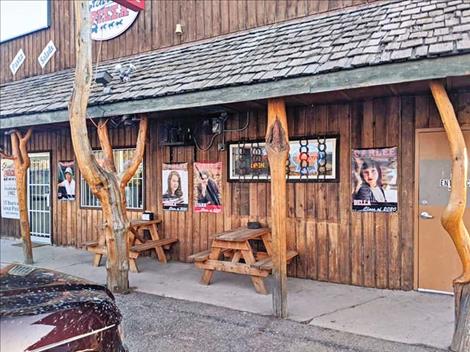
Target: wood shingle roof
x=376, y=34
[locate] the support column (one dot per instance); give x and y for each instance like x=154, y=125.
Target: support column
x=452, y=218
x=277, y=147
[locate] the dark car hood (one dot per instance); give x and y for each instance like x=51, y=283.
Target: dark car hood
x=40, y=307
x=26, y=290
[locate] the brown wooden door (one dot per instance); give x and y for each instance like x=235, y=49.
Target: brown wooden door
x=438, y=262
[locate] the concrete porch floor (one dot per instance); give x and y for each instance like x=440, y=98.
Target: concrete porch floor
x=408, y=317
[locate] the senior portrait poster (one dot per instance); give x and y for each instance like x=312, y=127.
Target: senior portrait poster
x=208, y=187
x=175, y=192
x=374, y=180
x=66, y=180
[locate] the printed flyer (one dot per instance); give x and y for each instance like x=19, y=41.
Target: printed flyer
x=10, y=208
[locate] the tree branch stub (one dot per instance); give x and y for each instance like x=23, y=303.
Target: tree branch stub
x=106, y=146
x=131, y=169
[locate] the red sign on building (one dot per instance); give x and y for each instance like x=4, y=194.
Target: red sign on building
x=135, y=5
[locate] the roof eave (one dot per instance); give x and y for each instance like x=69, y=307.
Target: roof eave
x=395, y=73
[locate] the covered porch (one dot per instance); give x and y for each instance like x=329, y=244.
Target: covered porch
x=411, y=317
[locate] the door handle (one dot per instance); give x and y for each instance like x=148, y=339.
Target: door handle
x=426, y=215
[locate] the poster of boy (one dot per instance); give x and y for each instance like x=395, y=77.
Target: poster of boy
x=65, y=180
x=207, y=187
x=374, y=180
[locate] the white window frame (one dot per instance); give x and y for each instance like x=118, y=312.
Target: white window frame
x=86, y=194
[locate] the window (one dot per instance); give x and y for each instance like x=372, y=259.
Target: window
x=21, y=17
x=134, y=189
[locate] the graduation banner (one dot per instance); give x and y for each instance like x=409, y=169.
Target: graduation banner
x=207, y=187
x=175, y=192
x=374, y=180
x=66, y=180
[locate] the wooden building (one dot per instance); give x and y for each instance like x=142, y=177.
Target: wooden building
x=356, y=71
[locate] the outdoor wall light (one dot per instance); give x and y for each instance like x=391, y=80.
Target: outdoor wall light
x=124, y=72
x=179, y=29
x=126, y=120
x=129, y=120
x=217, y=126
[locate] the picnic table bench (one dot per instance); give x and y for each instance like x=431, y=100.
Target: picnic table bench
x=137, y=243
x=235, y=246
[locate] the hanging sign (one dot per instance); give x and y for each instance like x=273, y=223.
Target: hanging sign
x=17, y=61
x=175, y=186
x=135, y=5
x=9, y=199
x=46, y=54
x=109, y=19
x=375, y=180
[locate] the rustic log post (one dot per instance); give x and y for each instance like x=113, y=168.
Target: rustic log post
x=452, y=218
x=104, y=182
x=20, y=157
x=277, y=147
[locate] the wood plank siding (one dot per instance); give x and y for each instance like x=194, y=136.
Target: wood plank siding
x=154, y=28
x=334, y=243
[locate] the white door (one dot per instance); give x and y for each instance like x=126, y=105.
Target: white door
x=39, y=190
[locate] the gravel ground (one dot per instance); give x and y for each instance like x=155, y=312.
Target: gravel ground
x=154, y=323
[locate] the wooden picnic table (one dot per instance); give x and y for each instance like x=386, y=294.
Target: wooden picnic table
x=137, y=243
x=235, y=244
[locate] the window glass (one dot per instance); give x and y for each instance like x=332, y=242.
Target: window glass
x=21, y=17
x=134, y=189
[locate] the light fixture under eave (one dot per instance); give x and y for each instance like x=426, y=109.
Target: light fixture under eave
x=124, y=71
x=179, y=29
x=129, y=120
x=103, y=78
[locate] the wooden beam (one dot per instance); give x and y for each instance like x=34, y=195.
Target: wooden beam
x=369, y=76
x=237, y=268
x=393, y=89
x=277, y=147
x=452, y=217
x=345, y=95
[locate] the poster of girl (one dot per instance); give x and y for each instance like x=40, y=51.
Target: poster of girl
x=207, y=187
x=175, y=186
x=374, y=180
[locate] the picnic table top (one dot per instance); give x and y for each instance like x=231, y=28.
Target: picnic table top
x=139, y=222
x=242, y=234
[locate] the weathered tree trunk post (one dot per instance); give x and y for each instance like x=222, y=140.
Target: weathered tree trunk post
x=277, y=147
x=20, y=157
x=452, y=218
x=104, y=182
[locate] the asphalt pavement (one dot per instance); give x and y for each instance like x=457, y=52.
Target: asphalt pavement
x=155, y=323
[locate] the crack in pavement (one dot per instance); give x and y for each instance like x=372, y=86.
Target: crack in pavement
x=306, y=322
